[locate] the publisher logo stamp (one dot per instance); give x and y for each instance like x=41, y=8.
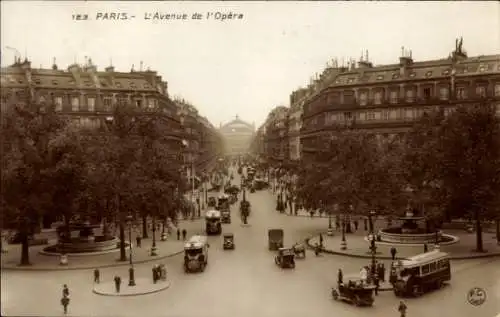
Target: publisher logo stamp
x=476, y=296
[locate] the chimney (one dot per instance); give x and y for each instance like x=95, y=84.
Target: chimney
x=110, y=69
x=405, y=59
x=364, y=62
x=54, y=65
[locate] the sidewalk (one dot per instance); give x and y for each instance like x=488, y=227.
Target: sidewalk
x=168, y=248
x=358, y=247
x=143, y=286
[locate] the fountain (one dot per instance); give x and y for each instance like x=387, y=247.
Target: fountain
x=85, y=242
x=411, y=233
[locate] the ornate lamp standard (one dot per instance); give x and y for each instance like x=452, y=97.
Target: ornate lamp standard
x=330, y=219
x=373, y=249
x=153, y=245
x=131, y=279
x=371, y=215
x=343, y=243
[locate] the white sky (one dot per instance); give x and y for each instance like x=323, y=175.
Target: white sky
x=247, y=66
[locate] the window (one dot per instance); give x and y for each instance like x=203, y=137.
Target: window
x=108, y=103
x=363, y=98
x=347, y=115
x=394, y=96
x=55, y=83
x=370, y=115
x=425, y=269
x=497, y=90
x=409, y=95
x=87, y=83
x=59, y=103
x=395, y=76
x=481, y=91
x=461, y=93
x=413, y=74
x=132, y=85
x=151, y=103
x=138, y=103
x=75, y=103
x=378, y=97
x=433, y=267
x=428, y=74
x=444, y=93
x=380, y=77
x=118, y=85
x=122, y=100
x=91, y=104
x=385, y=115
x=427, y=93
x=409, y=113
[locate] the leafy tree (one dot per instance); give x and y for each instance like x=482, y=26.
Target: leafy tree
x=26, y=133
x=470, y=165
x=351, y=171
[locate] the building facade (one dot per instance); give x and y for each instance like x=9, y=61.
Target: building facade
x=238, y=136
x=203, y=144
x=386, y=100
x=88, y=96
x=276, y=142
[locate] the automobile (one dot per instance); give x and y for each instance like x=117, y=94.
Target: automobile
x=196, y=254
x=421, y=273
x=226, y=216
x=285, y=258
x=212, y=202
x=357, y=293
x=228, y=242
x=275, y=237
x=300, y=250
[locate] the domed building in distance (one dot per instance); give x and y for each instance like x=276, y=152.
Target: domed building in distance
x=237, y=135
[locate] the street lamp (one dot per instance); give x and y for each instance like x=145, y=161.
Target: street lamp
x=153, y=245
x=131, y=280
x=343, y=243
x=370, y=218
x=330, y=224
x=373, y=249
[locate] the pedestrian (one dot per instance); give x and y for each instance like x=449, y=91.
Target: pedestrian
x=97, y=276
x=393, y=276
x=65, y=291
x=118, y=282
x=178, y=234
x=155, y=273
x=184, y=234
x=138, y=241
x=393, y=253
x=317, y=249
x=382, y=272
x=321, y=240
x=312, y=213
x=356, y=224
x=376, y=281
x=402, y=309
x=365, y=221
x=65, y=303
x=426, y=248
x=340, y=277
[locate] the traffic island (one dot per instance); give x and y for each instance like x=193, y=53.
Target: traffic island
x=143, y=286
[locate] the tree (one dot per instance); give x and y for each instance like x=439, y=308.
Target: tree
x=420, y=164
x=470, y=164
x=351, y=171
x=26, y=132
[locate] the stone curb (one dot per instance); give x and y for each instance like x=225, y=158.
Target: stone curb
x=152, y=291
x=363, y=256
x=101, y=266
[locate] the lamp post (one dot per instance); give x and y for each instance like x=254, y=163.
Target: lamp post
x=163, y=233
x=370, y=219
x=131, y=279
x=330, y=220
x=153, y=245
x=243, y=189
x=373, y=249
x=343, y=243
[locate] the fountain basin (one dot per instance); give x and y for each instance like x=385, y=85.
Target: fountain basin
x=397, y=236
x=99, y=244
